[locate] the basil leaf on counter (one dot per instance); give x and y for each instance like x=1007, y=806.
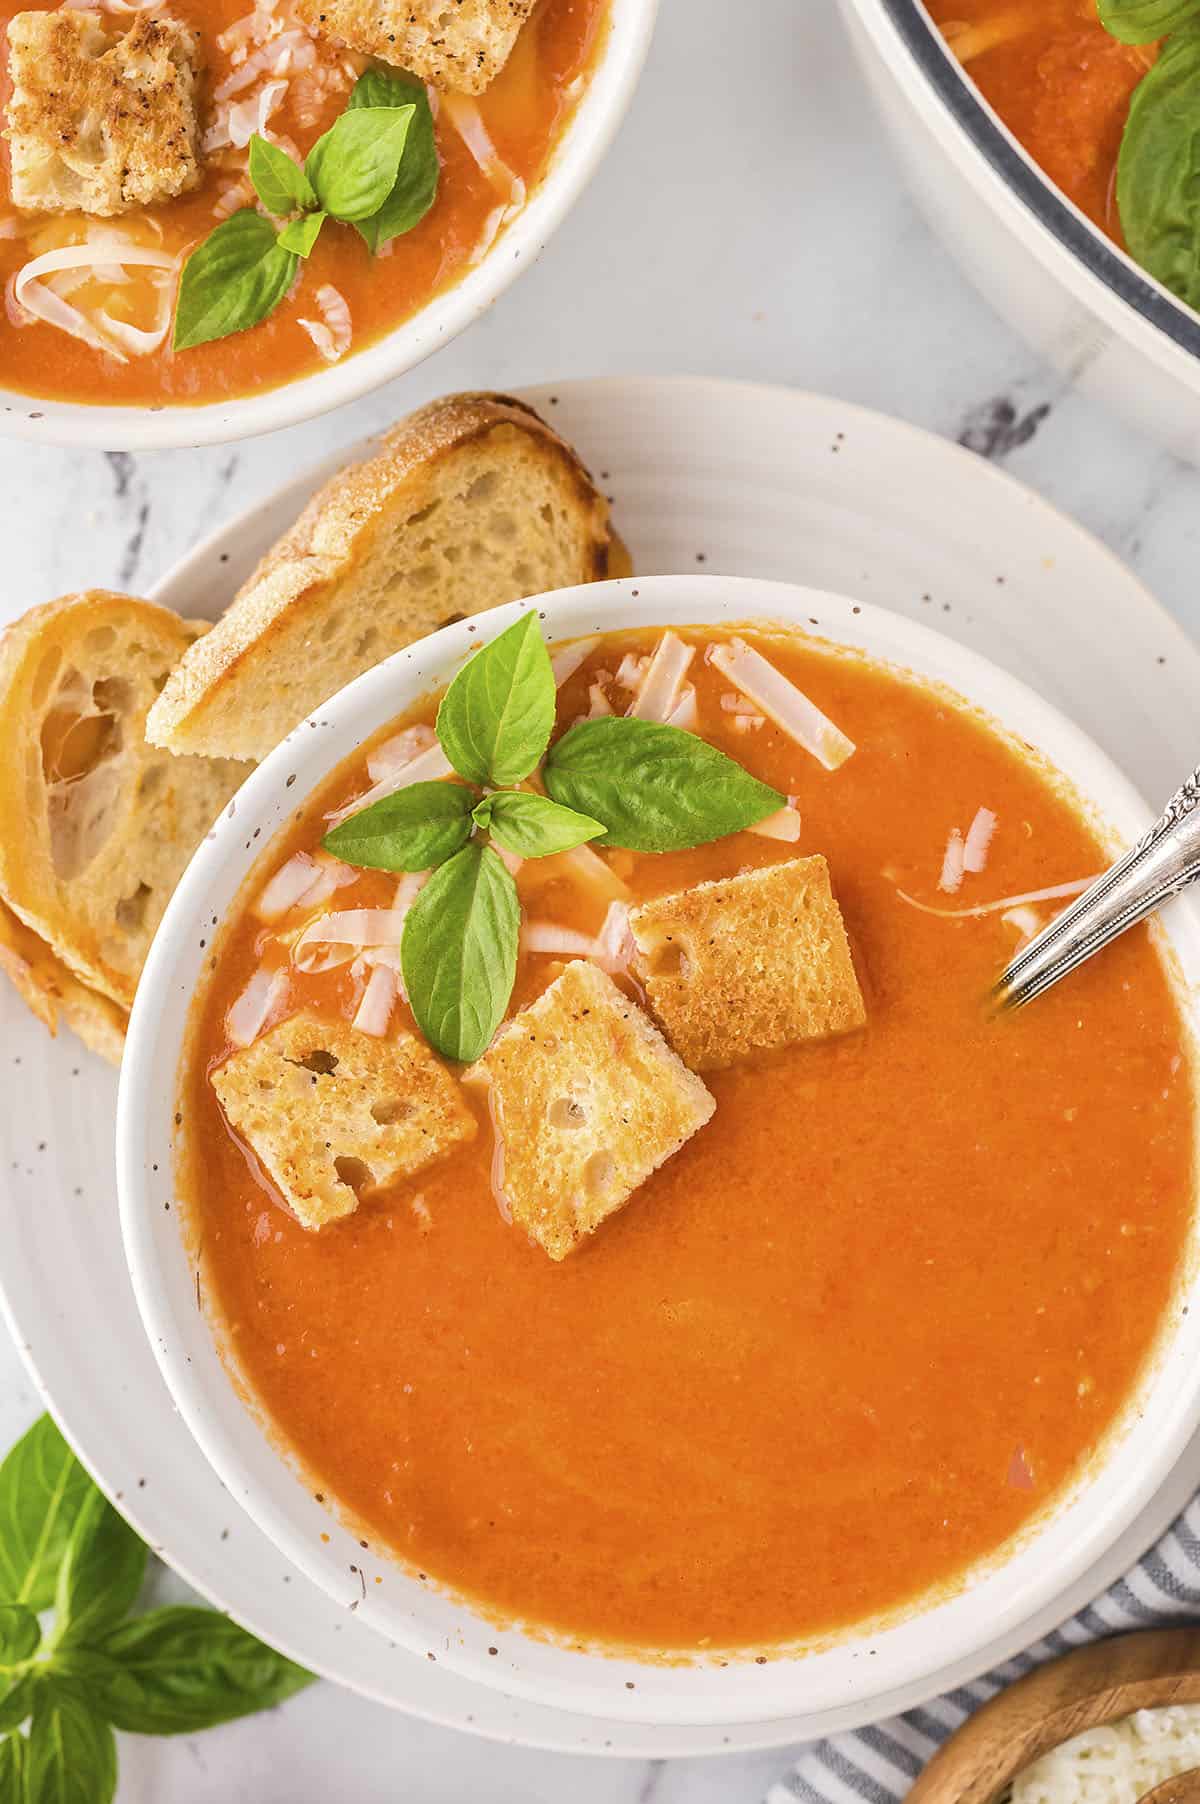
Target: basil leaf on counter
x=299, y=235
x=413, y=830
x=233, y=280
x=497, y=716
x=43, y=1487
x=1141, y=21
x=71, y=1755
x=101, y=1573
x=280, y=183
x=1158, y=196
x=658, y=788
x=180, y=1669
x=20, y=1633
x=533, y=826
x=459, y=952
x=415, y=188
x=353, y=166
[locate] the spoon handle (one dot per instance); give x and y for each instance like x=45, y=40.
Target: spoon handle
x=1157, y=868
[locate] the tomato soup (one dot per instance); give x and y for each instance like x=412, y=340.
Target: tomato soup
x=848, y=1341
x=489, y=160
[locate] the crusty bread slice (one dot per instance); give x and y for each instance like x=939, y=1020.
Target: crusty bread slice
x=471, y=502
x=96, y=824
x=587, y=1100
x=335, y=1115
x=748, y=963
x=55, y=994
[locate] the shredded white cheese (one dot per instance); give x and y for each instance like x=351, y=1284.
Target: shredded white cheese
x=1115, y=1764
x=787, y=706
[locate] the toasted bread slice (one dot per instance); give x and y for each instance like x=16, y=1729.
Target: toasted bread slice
x=748, y=963
x=588, y=1099
x=463, y=46
x=471, y=502
x=55, y=994
x=334, y=1114
x=97, y=825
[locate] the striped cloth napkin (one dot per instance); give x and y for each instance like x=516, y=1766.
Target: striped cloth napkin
x=877, y=1765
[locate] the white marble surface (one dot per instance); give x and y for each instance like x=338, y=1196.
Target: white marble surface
x=748, y=224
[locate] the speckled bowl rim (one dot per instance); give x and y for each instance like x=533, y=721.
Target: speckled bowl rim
x=1065, y=1545
x=574, y=160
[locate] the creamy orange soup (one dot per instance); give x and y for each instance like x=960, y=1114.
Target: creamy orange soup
x=842, y=1346
x=523, y=112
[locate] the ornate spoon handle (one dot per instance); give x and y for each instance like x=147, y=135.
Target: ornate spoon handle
x=1157, y=868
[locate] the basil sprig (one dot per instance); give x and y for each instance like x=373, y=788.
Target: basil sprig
x=1141, y=21
x=63, y=1690
x=1157, y=193
x=376, y=168
x=621, y=781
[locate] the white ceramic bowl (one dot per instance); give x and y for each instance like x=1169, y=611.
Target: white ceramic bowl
x=404, y=1610
x=1043, y=265
x=588, y=133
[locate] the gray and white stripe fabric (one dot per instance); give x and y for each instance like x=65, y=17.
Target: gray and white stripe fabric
x=878, y=1764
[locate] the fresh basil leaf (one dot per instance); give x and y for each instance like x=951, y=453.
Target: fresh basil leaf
x=101, y=1573
x=42, y=1489
x=354, y=165
x=20, y=1633
x=178, y=1670
x=1158, y=196
x=533, y=826
x=1141, y=21
x=497, y=716
x=71, y=1757
x=657, y=788
x=299, y=235
x=231, y=281
x=415, y=188
x=12, y=1768
x=15, y=1706
x=413, y=830
x=459, y=952
x=279, y=181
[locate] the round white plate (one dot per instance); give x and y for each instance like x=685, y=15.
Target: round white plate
x=751, y=481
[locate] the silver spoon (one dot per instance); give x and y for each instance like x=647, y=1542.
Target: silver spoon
x=1157, y=868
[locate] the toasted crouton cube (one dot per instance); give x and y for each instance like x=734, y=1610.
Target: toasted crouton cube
x=458, y=44
x=97, y=121
x=333, y=1115
x=748, y=964
x=588, y=1099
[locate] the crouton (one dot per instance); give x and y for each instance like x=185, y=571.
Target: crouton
x=587, y=1100
x=97, y=121
x=55, y=994
x=334, y=1115
x=748, y=964
x=463, y=44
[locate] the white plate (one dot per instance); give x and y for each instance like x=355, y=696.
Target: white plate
x=759, y=482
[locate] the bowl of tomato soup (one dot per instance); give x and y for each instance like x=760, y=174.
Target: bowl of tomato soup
x=1038, y=142
x=892, y=1341
x=222, y=294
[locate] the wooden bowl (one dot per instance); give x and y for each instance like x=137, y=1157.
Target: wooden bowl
x=1094, y=1685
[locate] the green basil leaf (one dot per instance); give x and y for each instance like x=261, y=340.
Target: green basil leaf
x=415, y=188
x=459, y=952
x=279, y=182
x=231, y=281
x=497, y=716
x=15, y=1706
x=533, y=826
x=657, y=788
x=42, y=1489
x=179, y=1670
x=354, y=165
x=20, y=1633
x=101, y=1573
x=299, y=235
x=1158, y=196
x=71, y=1757
x=413, y=830
x=1141, y=21
x=12, y=1768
